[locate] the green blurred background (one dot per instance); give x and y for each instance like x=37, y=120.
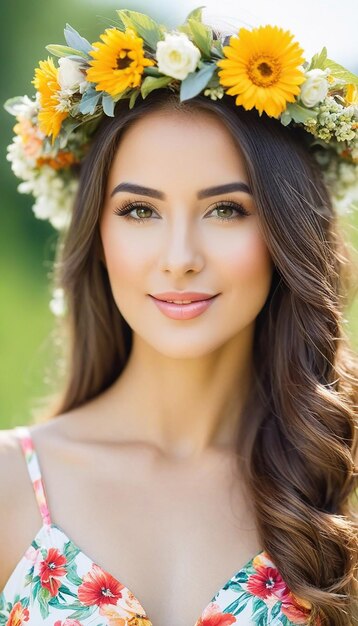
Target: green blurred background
x=27, y=244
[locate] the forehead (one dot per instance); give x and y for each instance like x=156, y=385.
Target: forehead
x=171, y=146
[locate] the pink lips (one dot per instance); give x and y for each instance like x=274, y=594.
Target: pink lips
x=184, y=311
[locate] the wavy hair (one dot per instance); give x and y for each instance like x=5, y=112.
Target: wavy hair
x=297, y=439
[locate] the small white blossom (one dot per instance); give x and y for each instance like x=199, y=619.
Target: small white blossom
x=24, y=107
x=177, y=56
x=64, y=100
x=315, y=88
x=57, y=303
x=215, y=93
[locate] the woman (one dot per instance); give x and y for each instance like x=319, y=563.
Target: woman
x=193, y=441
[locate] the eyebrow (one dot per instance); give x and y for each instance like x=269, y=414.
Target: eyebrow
x=203, y=193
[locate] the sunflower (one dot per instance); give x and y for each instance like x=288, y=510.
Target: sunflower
x=118, y=61
x=262, y=67
x=50, y=116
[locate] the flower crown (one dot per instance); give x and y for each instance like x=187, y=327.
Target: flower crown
x=263, y=68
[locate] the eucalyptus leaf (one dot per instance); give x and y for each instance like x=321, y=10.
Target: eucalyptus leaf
x=195, y=82
x=202, y=36
x=64, y=51
x=89, y=101
x=74, y=40
x=144, y=26
x=195, y=14
x=150, y=83
x=108, y=105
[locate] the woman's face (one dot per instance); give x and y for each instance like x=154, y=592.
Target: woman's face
x=173, y=238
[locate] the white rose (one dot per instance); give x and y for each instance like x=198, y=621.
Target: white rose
x=177, y=56
x=315, y=88
x=69, y=75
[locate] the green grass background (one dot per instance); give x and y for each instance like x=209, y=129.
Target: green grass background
x=27, y=244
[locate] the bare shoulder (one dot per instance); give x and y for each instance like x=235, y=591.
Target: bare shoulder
x=19, y=514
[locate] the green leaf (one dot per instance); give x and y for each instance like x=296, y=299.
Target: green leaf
x=185, y=28
x=83, y=612
x=195, y=14
x=340, y=72
x=202, y=36
x=73, y=577
x=275, y=609
x=43, y=598
x=152, y=71
x=318, y=60
x=150, y=83
x=122, y=95
x=297, y=113
x=64, y=51
x=195, y=82
x=133, y=98
x=144, y=26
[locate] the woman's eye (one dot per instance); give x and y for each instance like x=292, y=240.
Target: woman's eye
x=137, y=207
x=226, y=211
x=234, y=209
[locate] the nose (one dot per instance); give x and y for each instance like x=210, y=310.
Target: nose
x=182, y=250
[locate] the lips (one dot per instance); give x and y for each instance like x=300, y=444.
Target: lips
x=183, y=296
x=184, y=311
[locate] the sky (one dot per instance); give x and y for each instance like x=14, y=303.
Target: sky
x=315, y=23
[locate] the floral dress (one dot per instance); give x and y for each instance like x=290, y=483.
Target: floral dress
x=56, y=584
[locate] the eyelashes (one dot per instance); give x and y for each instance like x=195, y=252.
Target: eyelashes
x=127, y=207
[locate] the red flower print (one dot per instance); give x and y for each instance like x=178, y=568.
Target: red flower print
x=68, y=622
x=18, y=615
x=51, y=569
x=213, y=616
x=99, y=588
x=267, y=582
x=296, y=609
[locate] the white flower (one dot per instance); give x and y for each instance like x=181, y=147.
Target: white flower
x=177, y=56
x=70, y=76
x=315, y=88
x=57, y=303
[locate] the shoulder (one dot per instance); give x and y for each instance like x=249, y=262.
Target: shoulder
x=20, y=518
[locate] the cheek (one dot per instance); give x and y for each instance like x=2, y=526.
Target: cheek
x=123, y=257
x=249, y=268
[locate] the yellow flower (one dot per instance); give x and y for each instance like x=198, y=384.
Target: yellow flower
x=262, y=67
x=351, y=94
x=50, y=116
x=118, y=62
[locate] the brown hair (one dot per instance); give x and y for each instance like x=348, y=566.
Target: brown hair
x=298, y=436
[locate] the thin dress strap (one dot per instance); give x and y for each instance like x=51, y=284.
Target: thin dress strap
x=27, y=445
